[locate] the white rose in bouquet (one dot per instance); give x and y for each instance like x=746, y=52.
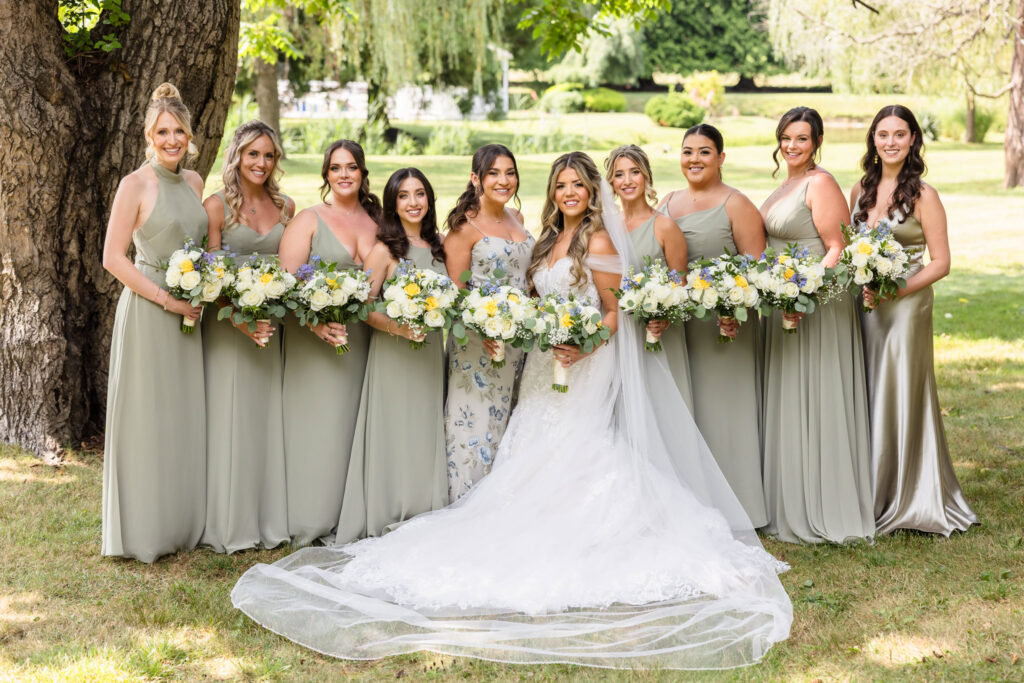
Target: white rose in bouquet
x=173, y=276
x=211, y=291
x=750, y=297
x=277, y=288
x=318, y=299
x=508, y=330
x=858, y=259
x=190, y=279
x=394, y=310
x=411, y=309
x=883, y=265
x=861, y=276
x=252, y=297
x=650, y=305
x=736, y=296
x=433, y=318
x=395, y=293
x=709, y=298
x=339, y=297
x=790, y=290
x=493, y=327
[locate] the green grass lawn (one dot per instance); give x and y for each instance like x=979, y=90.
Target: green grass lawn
x=911, y=607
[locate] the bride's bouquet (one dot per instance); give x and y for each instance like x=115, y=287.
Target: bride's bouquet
x=791, y=281
x=420, y=298
x=497, y=312
x=722, y=285
x=562, y=320
x=261, y=290
x=324, y=294
x=877, y=260
x=654, y=293
x=197, y=276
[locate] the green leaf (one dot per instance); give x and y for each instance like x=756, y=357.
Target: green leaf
x=224, y=313
x=740, y=314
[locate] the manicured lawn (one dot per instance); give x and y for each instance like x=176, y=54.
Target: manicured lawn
x=911, y=607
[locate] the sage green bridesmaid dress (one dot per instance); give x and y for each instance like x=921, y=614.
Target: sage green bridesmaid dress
x=914, y=484
x=246, y=499
x=321, y=401
x=726, y=377
x=673, y=340
x=817, y=480
x=154, y=454
x=398, y=465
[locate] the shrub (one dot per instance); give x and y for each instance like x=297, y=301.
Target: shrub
x=929, y=125
x=449, y=140
x=406, y=145
x=603, y=99
x=568, y=86
x=546, y=142
x=674, y=110
x=705, y=88
x=561, y=102
x=953, y=123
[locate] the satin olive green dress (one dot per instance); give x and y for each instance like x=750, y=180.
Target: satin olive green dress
x=154, y=454
x=321, y=401
x=673, y=339
x=246, y=499
x=914, y=484
x=398, y=465
x=726, y=377
x=817, y=479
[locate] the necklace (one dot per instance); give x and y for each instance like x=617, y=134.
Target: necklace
x=347, y=212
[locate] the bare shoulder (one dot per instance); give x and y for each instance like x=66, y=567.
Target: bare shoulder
x=194, y=180
x=601, y=243
x=379, y=253
x=738, y=200
x=822, y=179
x=929, y=193
x=305, y=220
x=214, y=202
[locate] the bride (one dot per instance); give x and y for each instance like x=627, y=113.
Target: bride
x=604, y=536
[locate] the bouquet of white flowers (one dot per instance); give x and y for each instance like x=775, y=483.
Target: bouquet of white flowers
x=420, y=298
x=722, y=285
x=654, y=293
x=324, y=294
x=499, y=313
x=791, y=281
x=197, y=276
x=562, y=320
x=877, y=260
x=261, y=290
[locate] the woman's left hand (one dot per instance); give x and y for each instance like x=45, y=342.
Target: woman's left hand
x=568, y=355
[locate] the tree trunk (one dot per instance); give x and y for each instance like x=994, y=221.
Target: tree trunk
x=68, y=132
x=1014, y=144
x=266, y=94
x=969, y=134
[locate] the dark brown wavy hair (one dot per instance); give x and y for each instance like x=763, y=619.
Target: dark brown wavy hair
x=807, y=115
x=390, y=230
x=369, y=201
x=908, y=182
x=469, y=201
x=552, y=220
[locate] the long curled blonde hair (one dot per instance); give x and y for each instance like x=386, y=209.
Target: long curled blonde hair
x=638, y=157
x=245, y=135
x=552, y=220
x=166, y=98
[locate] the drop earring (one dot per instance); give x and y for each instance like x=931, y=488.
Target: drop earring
x=876, y=158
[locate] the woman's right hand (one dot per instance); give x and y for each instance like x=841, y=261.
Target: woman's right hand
x=331, y=333
x=657, y=327
x=490, y=346
x=183, y=308
x=870, y=298
x=409, y=333
x=261, y=335
x=794, y=318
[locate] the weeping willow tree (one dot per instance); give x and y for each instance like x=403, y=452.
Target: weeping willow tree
x=925, y=46
x=392, y=44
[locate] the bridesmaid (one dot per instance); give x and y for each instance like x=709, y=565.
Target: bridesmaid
x=246, y=500
x=321, y=389
x=912, y=476
x=653, y=235
x=487, y=238
x=154, y=464
x=715, y=217
x=816, y=444
x=397, y=468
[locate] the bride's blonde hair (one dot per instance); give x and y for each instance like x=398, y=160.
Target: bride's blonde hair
x=552, y=221
x=166, y=98
x=245, y=135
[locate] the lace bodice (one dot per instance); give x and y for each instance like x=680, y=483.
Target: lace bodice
x=558, y=279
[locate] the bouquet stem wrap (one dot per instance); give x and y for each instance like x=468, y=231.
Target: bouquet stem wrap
x=188, y=325
x=789, y=326
x=559, y=377
x=652, y=342
x=498, y=359
x=723, y=338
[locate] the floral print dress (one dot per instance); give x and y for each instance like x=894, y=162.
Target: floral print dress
x=480, y=396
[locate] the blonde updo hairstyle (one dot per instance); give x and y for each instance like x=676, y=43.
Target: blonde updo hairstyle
x=166, y=98
x=245, y=135
x=638, y=157
x=552, y=221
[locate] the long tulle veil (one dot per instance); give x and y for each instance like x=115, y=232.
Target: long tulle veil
x=732, y=621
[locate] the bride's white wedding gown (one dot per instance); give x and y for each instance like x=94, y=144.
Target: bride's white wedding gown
x=576, y=548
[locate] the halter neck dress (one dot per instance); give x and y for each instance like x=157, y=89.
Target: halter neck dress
x=154, y=457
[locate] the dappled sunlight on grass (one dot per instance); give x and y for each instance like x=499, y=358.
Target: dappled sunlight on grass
x=897, y=649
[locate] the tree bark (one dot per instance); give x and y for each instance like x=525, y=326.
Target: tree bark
x=267, y=96
x=68, y=132
x=969, y=112
x=1014, y=145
